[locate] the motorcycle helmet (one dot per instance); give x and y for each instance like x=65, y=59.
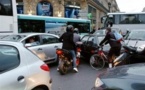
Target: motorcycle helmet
x=76, y=30
x=69, y=28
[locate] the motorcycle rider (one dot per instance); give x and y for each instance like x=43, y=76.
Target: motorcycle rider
x=76, y=37
x=115, y=45
x=68, y=44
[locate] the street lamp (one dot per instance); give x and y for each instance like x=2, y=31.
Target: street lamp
x=109, y=5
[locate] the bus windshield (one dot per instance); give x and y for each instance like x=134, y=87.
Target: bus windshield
x=125, y=21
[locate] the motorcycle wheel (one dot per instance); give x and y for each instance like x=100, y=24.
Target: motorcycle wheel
x=62, y=68
x=97, y=62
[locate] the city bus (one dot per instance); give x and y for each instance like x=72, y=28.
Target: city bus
x=8, y=16
x=54, y=25
x=124, y=21
x=11, y=22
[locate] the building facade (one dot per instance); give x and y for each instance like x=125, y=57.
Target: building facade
x=86, y=9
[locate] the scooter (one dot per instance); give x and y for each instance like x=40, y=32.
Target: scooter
x=66, y=61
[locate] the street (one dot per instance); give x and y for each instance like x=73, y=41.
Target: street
x=83, y=80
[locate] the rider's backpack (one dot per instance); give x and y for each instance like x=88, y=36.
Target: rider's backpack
x=118, y=36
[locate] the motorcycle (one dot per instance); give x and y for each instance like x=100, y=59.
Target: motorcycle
x=65, y=59
x=131, y=55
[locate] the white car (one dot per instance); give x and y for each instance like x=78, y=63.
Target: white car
x=20, y=69
x=44, y=45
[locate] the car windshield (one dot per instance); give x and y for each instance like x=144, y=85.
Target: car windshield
x=85, y=38
x=136, y=35
x=11, y=37
x=100, y=38
x=100, y=32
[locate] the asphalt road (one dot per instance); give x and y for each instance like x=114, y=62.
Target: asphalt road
x=83, y=80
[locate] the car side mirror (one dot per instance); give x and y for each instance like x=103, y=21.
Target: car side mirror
x=28, y=45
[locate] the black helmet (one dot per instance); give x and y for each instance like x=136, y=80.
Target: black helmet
x=69, y=28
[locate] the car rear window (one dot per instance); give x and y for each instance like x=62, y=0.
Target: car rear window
x=9, y=58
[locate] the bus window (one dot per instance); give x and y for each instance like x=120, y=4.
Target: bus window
x=129, y=19
x=31, y=26
x=141, y=18
x=6, y=7
x=116, y=19
x=82, y=27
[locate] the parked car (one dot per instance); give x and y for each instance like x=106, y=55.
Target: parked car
x=127, y=77
x=90, y=43
x=20, y=69
x=42, y=44
x=103, y=31
x=135, y=38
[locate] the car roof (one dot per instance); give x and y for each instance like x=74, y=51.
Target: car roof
x=31, y=34
x=137, y=30
x=10, y=43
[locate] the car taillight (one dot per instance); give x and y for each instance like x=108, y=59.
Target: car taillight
x=78, y=49
x=59, y=52
x=45, y=67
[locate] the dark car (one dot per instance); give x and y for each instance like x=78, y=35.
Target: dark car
x=127, y=77
x=90, y=44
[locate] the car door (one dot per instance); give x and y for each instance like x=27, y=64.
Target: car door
x=12, y=74
x=50, y=44
x=87, y=45
x=105, y=47
x=36, y=47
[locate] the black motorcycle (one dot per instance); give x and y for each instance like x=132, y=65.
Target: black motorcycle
x=66, y=61
x=131, y=55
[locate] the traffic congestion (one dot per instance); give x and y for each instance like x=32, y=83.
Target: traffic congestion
x=43, y=49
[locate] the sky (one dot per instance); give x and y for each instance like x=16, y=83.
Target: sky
x=131, y=5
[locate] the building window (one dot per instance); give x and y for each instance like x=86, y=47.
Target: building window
x=71, y=12
x=6, y=7
x=92, y=11
x=72, y=9
x=44, y=8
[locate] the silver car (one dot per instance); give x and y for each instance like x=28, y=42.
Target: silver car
x=20, y=69
x=135, y=38
x=42, y=44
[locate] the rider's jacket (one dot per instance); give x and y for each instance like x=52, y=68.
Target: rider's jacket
x=108, y=39
x=67, y=39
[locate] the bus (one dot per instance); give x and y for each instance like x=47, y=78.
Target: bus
x=54, y=25
x=11, y=22
x=8, y=16
x=124, y=21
